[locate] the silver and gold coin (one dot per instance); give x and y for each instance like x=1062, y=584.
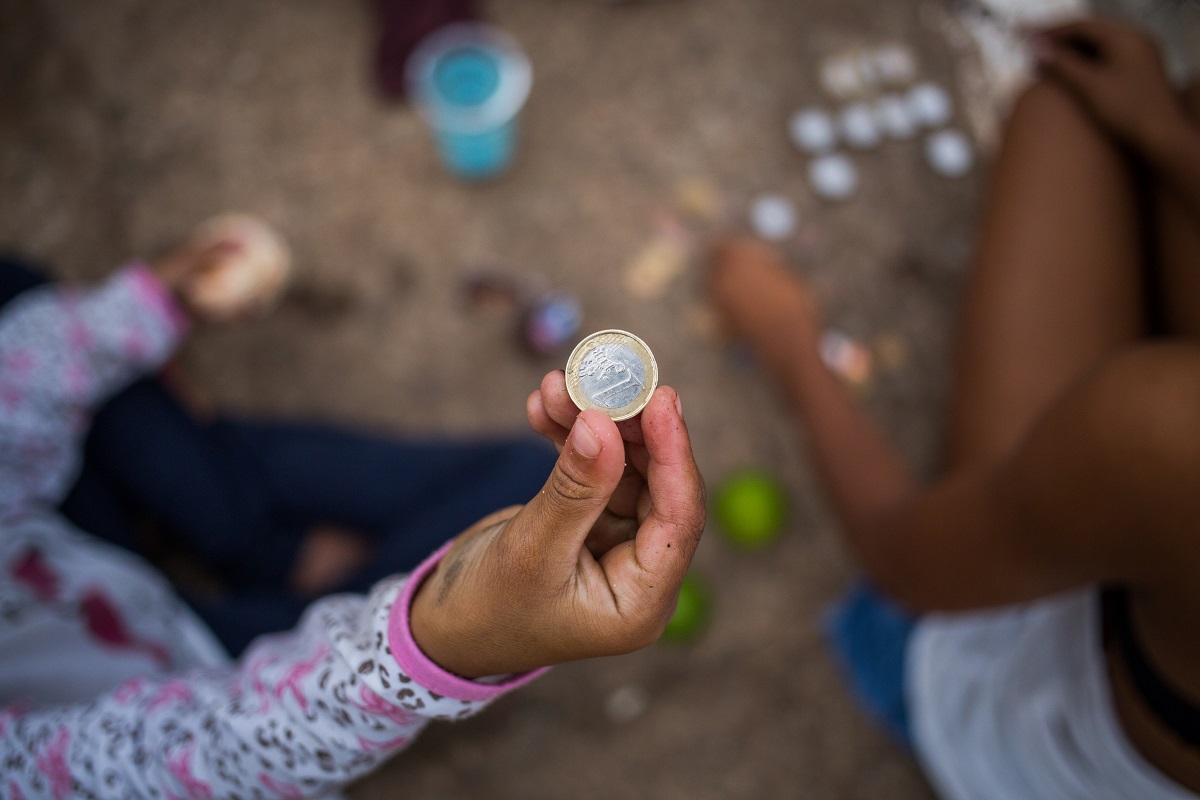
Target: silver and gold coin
x=612, y=371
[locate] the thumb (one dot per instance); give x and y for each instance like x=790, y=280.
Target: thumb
x=556, y=523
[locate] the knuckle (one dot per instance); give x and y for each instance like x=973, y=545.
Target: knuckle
x=568, y=485
x=699, y=512
x=647, y=631
x=513, y=558
x=646, y=624
x=623, y=634
x=630, y=638
x=503, y=557
x=687, y=510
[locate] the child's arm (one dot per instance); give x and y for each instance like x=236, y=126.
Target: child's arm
x=1101, y=490
x=300, y=715
x=862, y=470
x=589, y=567
x=62, y=351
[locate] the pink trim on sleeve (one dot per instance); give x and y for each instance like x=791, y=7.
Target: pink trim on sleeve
x=156, y=296
x=419, y=666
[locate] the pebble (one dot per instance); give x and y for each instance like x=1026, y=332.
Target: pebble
x=891, y=351
x=894, y=117
x=895, y=64
x=858, y=126
x=700, y=198
x=656, y=266
x=773, y=217
x=840, y=77
x=833, y=177
x=846, y=357
x=812, y=131
x=868, y=70
x=626, y=703
x=929, y=105
x=550, y=323
x=950, y=153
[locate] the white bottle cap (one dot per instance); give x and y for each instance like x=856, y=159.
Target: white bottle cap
x=840, y=76
x=833, y=177
x=895, y=64
x=950, y=153
x=894, y=117
x=858, y=126
x=930, y=105
x=812, y=131
x=773, y=217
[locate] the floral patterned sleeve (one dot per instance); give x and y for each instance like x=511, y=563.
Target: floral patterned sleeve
x=63, y=350
x=301, y=714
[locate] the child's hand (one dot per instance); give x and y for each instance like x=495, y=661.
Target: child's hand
x=1117, y=73
x=589, y=567
x=180, y=267
x=231, y=267
x=758, y=296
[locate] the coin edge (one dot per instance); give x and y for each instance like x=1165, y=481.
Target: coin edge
x=636, y=407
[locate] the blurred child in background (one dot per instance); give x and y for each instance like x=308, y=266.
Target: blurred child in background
x=1057, y=560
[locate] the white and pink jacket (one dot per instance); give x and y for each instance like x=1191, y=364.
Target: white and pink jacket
x=109, y=685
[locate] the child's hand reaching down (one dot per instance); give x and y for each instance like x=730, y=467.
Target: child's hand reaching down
x=589, y=567
x=232, y=266
x=764, y=301
x=1117, y=74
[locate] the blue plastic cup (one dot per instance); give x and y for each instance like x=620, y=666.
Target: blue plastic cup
x=469, y=81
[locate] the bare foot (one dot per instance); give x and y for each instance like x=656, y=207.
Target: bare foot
x=762, y=300
x=328, y=556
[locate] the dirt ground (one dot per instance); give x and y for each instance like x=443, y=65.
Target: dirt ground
x=124, y=122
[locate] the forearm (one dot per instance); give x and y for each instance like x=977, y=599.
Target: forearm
x=864, y=474
x=65, y=349
x=905, y=536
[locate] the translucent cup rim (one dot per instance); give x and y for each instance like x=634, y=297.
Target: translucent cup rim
x=497, y=110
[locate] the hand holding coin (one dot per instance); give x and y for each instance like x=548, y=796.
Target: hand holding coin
x=613, y=371
x=589, y=567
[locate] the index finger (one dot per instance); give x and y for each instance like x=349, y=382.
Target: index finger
x=671, y=531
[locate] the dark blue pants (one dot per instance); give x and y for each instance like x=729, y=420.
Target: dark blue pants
x=239, y=495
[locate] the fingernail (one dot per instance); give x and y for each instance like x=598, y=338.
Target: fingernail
x=679, y=406
x=584, y=439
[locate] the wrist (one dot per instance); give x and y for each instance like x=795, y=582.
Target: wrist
x=168, y=273
x=158, y=296
x=436, y=622
x=171, y=277
x=430, y=625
